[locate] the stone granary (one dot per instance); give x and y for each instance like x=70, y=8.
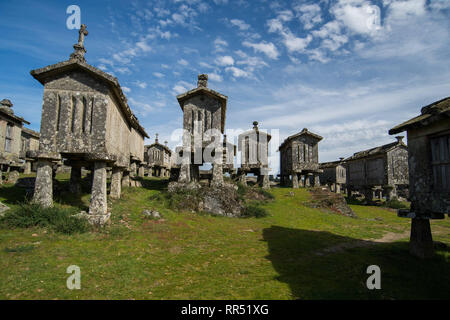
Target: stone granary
x=333, y=175
x=380, y=171
x=299, y=158
x=87, y=121
x=30, y=142
x=429, y=172
x=204, y=113
x=10, y=141
x=254, y=148
x=157, y=156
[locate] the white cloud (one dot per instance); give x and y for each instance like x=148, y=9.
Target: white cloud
x=296, y=44
x=240, y=24
x=126, y=89
x=238, y=73
x=141, y=84
x=268, y=48
x=220, y=44
x=309, y=15
x=183, y=62
x=143, y=46
x=215, y=77
x=359, y=16
x=158, y=74
x=225, y=61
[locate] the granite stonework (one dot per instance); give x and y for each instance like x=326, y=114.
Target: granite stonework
x=299, y=160
x=429, y=172
x=379, y=172
x=334, y=175
x=158, y=156
x=254, y=148
x=204, y=112
x=15, y=141
x=86, y=120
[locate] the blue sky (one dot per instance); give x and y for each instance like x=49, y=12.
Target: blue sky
x=346, y=69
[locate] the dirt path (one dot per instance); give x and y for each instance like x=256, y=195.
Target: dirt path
x=387, y=238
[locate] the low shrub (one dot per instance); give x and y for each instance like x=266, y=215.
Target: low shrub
x=61, y=220
x=395, y=204
x=254, y=211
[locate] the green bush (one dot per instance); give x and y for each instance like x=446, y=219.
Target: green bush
x=396, y=204
x=33, y=215
x=266, y=194
x=255, y=211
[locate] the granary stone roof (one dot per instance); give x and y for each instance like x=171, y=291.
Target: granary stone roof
x=7, y=111
x=160, y=145
x=31, y=132
x=305, y=131
x=204, y=90
x=331, y=164
x=255, y=128
x=72, y=64
x=433, y=112
x=377, y=150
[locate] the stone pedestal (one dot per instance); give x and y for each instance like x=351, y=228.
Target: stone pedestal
x=75, y=180
x=43, y=188
x=185, y=173
x=98, y=208
x=389, y=192
x=243, y=178
x=316, y=180
x=13, y=176
x=116, y=183
x=126, y=179
x=421, y=241
x=265, y=182
x=133, y=169
x=307, y=181
x=162, y=173
x=295, y=180
x=337, y=188
x=141, y=171
x=217, y=174
x=27, y=169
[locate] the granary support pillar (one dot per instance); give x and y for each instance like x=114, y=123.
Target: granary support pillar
x=133, y=174
x=162, y=172
x=75, y=179
x=294, y=180
x=27, y=169
x=389, y=192
x=185, y=173
x=126, y=178
x=337, y=187
x=98, y=208
x=217, y=174
x=141, y=170
x=243, y=178
x=265, y=183
x=316, y=180
x=43, y=187
x=307, y=180
x=421, y=241
x=1, y=174
x=116, y=183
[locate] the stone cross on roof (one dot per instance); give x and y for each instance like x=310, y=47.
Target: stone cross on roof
x=79, y=52
x=82, y=33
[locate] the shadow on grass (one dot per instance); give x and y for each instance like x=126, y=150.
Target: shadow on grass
x=155, y=184
x=13, y=195
x=342, y=274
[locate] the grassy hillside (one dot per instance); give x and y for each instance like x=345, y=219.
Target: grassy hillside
x=296, y=252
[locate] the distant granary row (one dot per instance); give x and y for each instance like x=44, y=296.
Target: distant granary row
x=15, y=141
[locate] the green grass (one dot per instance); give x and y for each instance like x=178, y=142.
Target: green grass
x=195, y=256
